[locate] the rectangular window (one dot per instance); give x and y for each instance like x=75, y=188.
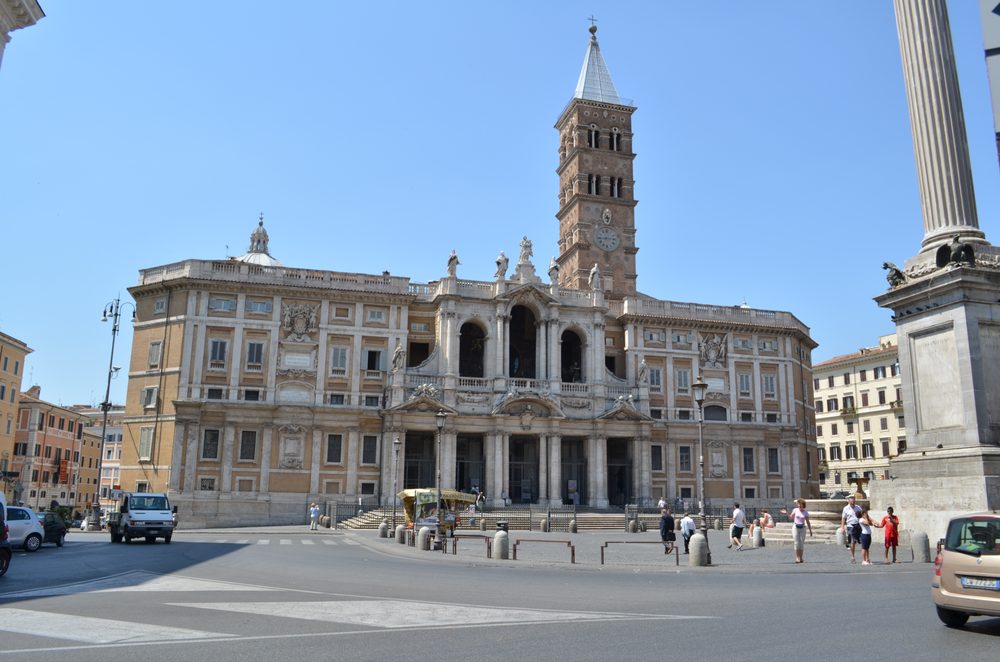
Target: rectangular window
x=145, y=444
x=770, y=417
x=847, y=378
x=770, y=386
x=62, y=423
x=376, y=315
x=821, y=454
x=682, y=338
x=852, y=452
x=744, y=383
x=863, y=375
x=746, y=417
x=686, y=492
x=420, y=327
x=210, y=445
x=815, y=383
x=743, y=343
x=251, y=395
x=259, y=307
x=867, y=450
x=153, y=357
x=255, y=356
x=866, y=425
x=881, y=396
x=336, y=398
x=864, y=398
x=367, y=488
x=369, y=447
x=149, y=397
x=773, y=466
x=656, y=413
x=848, y=401
x=684, y=458
x=883, y=423
x=835, y=454
x=748, y=460
x=829, y=381
x=206, y=484
x=333, y=448
x=774, y=491
x=819, y=430
x=850, y=427
x=655, y=380
x=654, y=335
x=338, y=360
x=213, y=394
x=831, y=404
x=682, y=378
x=749, y=492
x=766, y=345
x=371, y=401
x=160, y=306
x=656, y=457
x=17, y=366
x=248, y=445
x=244, y=485
x=373, y=359
x=220, y=304
x=683, y=414
x=880, y=372
x=833, y=429
x=217, y=355
x=819, y=406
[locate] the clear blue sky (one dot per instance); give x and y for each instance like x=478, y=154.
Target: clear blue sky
x=774, y=163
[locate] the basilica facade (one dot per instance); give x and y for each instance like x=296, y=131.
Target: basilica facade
x=256, y=388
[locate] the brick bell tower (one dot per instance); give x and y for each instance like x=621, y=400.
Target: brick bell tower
x=596, y=190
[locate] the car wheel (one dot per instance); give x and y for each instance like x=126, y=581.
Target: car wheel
x=4, y=562
x=150, y=540
x=166, y=539
x=32, y=543
x=951, y=618
x=61, y=540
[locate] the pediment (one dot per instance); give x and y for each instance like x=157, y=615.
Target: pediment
x=424, y=402
x=527, y=404
x=530, y=293
x=624, y=410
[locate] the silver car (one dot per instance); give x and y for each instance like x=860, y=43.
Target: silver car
x=25, y=529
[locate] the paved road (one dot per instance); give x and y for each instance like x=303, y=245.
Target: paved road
x=265, y=594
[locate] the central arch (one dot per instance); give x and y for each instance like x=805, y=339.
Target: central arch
x=471, y=350
x=523, y=343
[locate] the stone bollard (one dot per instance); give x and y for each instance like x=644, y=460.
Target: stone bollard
x=633, y=526
x=921, y=547
x=400, y=534
x=324, y=521
x=572, y=525
x=501, y=545
x=718, y=524
x=543, y=525
x=482, y=524
x=383, y=530
x=642, y=525
x=758, y=536
x=841, y=537
x=697, y=550
x=424, y=538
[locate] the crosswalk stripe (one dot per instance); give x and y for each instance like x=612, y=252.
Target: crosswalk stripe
x=93, y=630
x=284, y=541
x=265, y=541
x=308, y=542
x=329, y=542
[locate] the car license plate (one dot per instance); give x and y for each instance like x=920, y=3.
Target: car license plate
x=981, y=582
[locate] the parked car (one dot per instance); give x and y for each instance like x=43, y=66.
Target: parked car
x=29, y=531
x=967, y=569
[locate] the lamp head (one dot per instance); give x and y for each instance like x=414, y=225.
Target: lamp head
x=396, y=443
x=699, y=388
x=439, y=419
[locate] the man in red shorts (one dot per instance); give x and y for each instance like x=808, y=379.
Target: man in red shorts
x=891, y=525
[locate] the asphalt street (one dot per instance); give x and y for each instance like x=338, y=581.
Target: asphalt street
x=264, y=594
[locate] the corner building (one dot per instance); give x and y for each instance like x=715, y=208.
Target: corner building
x=256, y=388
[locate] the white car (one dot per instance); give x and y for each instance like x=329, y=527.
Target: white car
x=25, y=529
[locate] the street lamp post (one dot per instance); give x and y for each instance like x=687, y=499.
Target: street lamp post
x=113, y=310
x=439, y=419
x=396, y=443
x=700, y=388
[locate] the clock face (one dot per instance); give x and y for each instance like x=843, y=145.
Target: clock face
x=606, y=238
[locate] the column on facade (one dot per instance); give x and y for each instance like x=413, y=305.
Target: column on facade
x=632, y=356
x=322, y=355
x=495, y=443
x=762, y=472
x=737, y=471
x=191, y=462
x=185, y=379
x=176, y=457
x=198, y=373
x=351, y=487
x=451, y=342
x=944, y=171
x=449, y=457
x=758, y=385
x=500, y=355
x=505, y=465
x=356, y=397
x=316, y=461
x=782, y=388
x=236, y=363
x=228, y=437
x=792, y=480
x=543, y=469
x=597, y=470
x=670, y=385
x=555, y=470
x=642, y=446
x=265, y=461
x=555, y=346
x=596, y=367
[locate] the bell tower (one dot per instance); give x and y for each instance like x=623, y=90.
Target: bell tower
x=596, y=190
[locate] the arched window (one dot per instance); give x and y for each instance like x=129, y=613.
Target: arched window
x=471, y=350
x=716, y=413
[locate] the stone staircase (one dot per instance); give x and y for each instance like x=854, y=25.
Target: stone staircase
x=516, y=518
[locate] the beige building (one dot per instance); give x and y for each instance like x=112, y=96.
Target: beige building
x=255, y=388
x=14, y=15
x=12, y=355
x=859, y=415
x=53, y=460
x=112, y=448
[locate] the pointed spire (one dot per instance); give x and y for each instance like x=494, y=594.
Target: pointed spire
x=595, y=80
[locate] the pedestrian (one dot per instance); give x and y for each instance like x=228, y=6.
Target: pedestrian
x=765, y=521
x=662, y=503
x=891, y=525
x=851, y=525
x=736, y=533
x=687, y=530
x=866, y=524
x=667, y=526
x=800, y=523
x=313, y=516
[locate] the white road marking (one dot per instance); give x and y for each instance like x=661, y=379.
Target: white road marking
x=94, y=630
x=265, y=541
x=348, y=541
x=136, y=581
x=244, y=541
x=393, y=614
x=284, y=541
x=329, y=542
x=308, y=542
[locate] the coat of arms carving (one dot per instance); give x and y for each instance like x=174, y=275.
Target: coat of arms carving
x=713, y=350
x=299, y=320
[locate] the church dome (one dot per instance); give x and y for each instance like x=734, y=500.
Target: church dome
x=258, y=252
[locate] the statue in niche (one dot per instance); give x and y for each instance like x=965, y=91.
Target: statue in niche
x=643, y=371
x=594, y=279
x=955, y=254
x=526, y=251
x=453, y=263
x=502, y=262
x=893, y=275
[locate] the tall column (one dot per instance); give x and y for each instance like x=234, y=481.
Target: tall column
x=315, y=457
x=555, y=470
x=228, y=434
x=353, y=458
x=543, y=470
x=947, y=198
x=265, y=461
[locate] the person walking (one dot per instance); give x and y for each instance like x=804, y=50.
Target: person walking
x=800, y=523
x=736, y=531
x=313, y=516
x=850, y=524
x=667, y=526
x=687, y=530
x=866, y=524
x=891, y=525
